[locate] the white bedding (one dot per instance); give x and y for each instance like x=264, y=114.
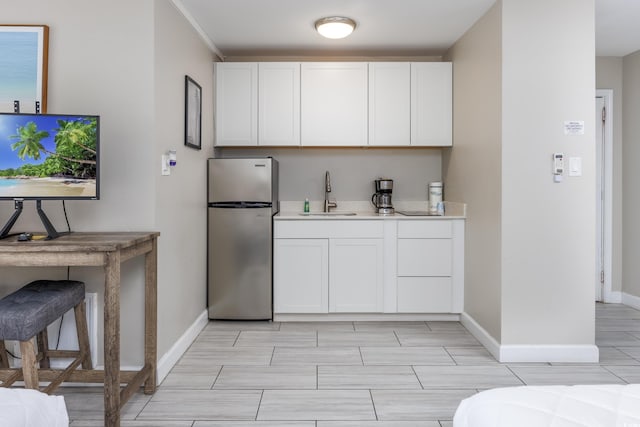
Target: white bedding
x=552, y=406
x=31, y=408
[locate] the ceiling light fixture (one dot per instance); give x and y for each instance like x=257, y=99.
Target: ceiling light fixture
x=335, y=27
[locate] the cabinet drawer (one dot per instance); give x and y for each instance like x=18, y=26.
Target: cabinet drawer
x=328, y=229
x=424, y=295
x=424, y=257
x=430, y=229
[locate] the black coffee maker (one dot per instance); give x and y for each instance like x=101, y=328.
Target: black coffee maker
x=381, y=199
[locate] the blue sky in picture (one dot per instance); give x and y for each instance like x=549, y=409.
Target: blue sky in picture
x=18, y=65
x=9, y=124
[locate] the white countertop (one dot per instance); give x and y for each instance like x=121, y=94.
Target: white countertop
x=364, y=210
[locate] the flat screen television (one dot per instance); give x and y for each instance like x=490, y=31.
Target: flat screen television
x=49, y=157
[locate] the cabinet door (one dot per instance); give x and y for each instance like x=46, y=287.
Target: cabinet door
x=279, y=102
x=236, y=104
x=300, y=272
x=389, y=103
x=424, y=257
x=431, y=104
x=334, y=104
x=356, y=276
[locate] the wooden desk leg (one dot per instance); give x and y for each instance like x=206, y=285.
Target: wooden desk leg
x=151, y=316
x=112, y=340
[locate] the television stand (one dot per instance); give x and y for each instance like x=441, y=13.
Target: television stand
x=52, y=233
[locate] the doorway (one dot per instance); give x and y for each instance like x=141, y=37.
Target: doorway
x=604, y=189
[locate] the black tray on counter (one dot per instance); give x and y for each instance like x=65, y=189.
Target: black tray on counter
x=417, y=213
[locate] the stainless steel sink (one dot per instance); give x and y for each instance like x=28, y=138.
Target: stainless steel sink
x=335, y=213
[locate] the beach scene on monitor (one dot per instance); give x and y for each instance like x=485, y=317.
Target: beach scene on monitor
x=48, y=156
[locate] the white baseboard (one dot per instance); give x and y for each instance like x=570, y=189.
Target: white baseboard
x=364, y=317
x=481, y=335
x=549, y=353
x=530, y=353
x=171, y=357
x=631, y=300
x=613, y=297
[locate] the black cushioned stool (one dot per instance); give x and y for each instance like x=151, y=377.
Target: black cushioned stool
x=25, y=315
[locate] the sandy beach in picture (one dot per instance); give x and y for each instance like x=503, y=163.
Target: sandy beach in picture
x=41, y=187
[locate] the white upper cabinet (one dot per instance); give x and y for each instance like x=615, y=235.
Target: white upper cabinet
x=334, y=104
x=279, y=103
x=236, y=104
x=431, y=104
x=258, y=104
x=389, y=103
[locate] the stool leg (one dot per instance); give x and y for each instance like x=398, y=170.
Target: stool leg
x=29, y=364
x=4, y=357
x=83, y=335
x=43, y=347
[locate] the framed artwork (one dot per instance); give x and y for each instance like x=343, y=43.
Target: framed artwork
x=24, y=52
x=192, y=113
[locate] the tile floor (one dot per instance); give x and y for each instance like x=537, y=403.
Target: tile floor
x=348, y=374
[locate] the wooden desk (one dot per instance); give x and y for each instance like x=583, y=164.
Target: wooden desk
x=107, y=250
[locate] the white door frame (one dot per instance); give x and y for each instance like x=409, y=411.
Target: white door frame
x=607, y=295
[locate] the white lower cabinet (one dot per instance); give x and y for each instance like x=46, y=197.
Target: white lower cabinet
x=424, y=295
x=328, y=275
x=424, y=257
x=301, y=275
x=328, y=266
x=384, y=266
x=430, y=266
x=355, y=276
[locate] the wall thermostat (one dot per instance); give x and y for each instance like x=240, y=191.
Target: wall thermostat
x=558, y=166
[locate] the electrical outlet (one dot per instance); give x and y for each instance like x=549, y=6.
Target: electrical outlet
x=68, y=336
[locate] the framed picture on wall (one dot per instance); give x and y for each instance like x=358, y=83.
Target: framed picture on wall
x=24, y=54
x=192, y=113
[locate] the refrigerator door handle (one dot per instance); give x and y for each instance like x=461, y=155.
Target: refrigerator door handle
x=239, y=205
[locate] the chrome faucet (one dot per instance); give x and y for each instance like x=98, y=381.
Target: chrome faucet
x=327, y=189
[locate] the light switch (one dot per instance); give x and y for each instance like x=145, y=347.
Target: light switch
x=165, y=165
x=575, y=166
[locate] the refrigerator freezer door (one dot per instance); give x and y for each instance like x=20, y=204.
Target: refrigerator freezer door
x=247, y=180
x=240, y=259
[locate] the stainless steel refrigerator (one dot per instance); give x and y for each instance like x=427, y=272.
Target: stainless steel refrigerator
x=242, y=200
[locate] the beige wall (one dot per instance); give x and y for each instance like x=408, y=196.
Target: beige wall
x=96, y=69
x=631, y=174
x=609, y=76
x=129, y=68
x=548, y=238
x=519, y=73
x=472, y=169
x=180, y=205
